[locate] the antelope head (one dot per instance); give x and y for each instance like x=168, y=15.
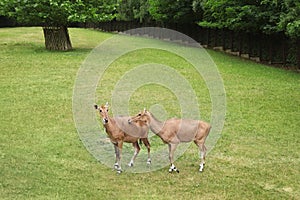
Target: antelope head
x=140, y=117
x=103, y=112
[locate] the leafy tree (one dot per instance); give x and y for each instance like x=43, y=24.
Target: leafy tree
x=56, y=15
x=290, y=18
x=232, y=14
x=130, y=10
x=172, y=11
x=267, y=16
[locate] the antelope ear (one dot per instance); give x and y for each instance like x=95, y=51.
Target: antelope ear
x=96, y=106
x=145, y=110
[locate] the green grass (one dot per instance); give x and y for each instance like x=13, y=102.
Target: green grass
x=41, y=156
x=154, y=93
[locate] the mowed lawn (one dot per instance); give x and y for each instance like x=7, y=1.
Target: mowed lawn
x=42, y=157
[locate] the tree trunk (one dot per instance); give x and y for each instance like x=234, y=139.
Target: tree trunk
x=57, y=38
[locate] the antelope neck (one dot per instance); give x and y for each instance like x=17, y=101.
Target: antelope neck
x=155, y=125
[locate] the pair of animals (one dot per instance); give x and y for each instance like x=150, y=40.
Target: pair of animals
x=172, y=132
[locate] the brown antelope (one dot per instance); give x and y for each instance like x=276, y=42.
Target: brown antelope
x=174, y=131
x=119, y=131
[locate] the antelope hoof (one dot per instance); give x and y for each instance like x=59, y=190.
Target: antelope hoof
x=116, y=166
x=119, y=171
x=149, y=161
x=201, y=168
x=130, y=164
x=173, y=168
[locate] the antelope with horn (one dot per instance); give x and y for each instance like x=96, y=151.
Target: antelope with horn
x=174, y=131
x=119, y=131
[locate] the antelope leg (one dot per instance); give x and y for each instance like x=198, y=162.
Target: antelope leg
x=172, y=148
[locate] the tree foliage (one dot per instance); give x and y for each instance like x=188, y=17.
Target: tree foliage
x=56, y=15
x=172, y=11
x=132, y=10
x=57, y=12
x=156, y=10
x=290, y=18
x=267, y=16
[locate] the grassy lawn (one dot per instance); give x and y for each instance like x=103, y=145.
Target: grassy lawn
x=42, y=157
